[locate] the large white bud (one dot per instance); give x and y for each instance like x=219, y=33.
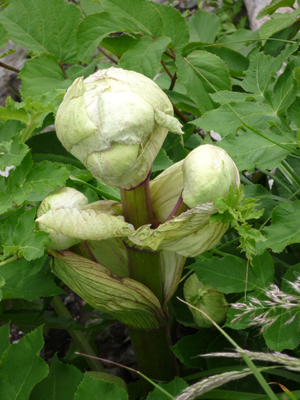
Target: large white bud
x=115, y=123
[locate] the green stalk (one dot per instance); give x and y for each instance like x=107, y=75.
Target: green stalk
x=78, y=336
x=152, y=348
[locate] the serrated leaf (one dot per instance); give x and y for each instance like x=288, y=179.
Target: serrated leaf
x=144, y=55
x=229, y=273
x=233, y=59
x=96, y=389
x=118, y=44
x=14, y=152
x=6, y=201
x=140, y=16
x=90, y=6
x=60, y=384
x=226, y=96
x=283, y=334
x=284, y=228
x=279, y=22
x=40, y=75
x=228, y=119
x=204, y=27
x=174, y=25
x=3, y=37
x=47, y=175
x=285, y=89
x=4, y=339
x=22, y=368
x=48, y=26
x=203, y=73
x=250, y=150
x=92, y=30
x=275, y=4
x=24, y=280
x=174, y=388
x=161, y=161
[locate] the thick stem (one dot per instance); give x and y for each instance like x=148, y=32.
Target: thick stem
x=152, y=348
x=78, y=336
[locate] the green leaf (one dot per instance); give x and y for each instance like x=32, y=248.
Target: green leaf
x=14, y=152
x=233, y=59
x=174, y=388
x=43, y=26
x=60, y=384
x=189, y=347
x=90, y=6
x=140, y=16
x=279, y=22
x=228, y=119
x=226, y=96
x=285, y=89
x=92, y=30
x=293, y=112
x=284, y=228
x=275, y=4
x=174, y=26
x=4, y=339
x=229, y=274
x=203, y=73
x=283, y=334
x=265, y=199
x=144, y=55
x=96, y=389
x=3, y=37
x=250, y=150
x=40, y=75
x=204, y=27
x=118, y=44
x=25, y=280
x=22, y=368
x=161, y=162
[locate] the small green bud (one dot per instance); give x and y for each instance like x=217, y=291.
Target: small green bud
x=206, y=299
x=208, y=172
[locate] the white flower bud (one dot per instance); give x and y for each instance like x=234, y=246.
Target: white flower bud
x=115, y=122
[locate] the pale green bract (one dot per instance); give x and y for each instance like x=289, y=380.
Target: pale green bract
x=115, y=123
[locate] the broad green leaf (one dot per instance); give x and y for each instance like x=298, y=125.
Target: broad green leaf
x=204, y=27
x=283, y=334
x=96, y=389
x=10, y=128
x=285, y=89
x=108, y=192
x=8, y=227
x=3, y=36
x=242, y=40
x=174, y=388
x=228, y=119
x=284, y=228
x=7, y=53
x=174, y=25
x=275, y=4
x=24, y=280
x=229, y=273
x=140, y=16
x=126, y=299
x=4, y=339
x=203, y=73
x=14, y=152
x=40, y=75
x=90, y=6
x=174, y=147
x=250, y=150
x=92, y=30
x=6, y=200
x=278, y=22
x=161, y=162
x=60, y=384
x=43, y=26
x=21, y=368
x=144, y=55
x=183, y=102
x=189, y=347
x=260, y=72
x=264, y=197
x=226, y=96
x=118, y=44
x=293, y=112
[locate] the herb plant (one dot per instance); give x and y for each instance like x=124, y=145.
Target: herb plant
x=174, y=225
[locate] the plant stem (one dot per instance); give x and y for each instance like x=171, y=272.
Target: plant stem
x=3, y=65
x=152, y=348
x=78, y=336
